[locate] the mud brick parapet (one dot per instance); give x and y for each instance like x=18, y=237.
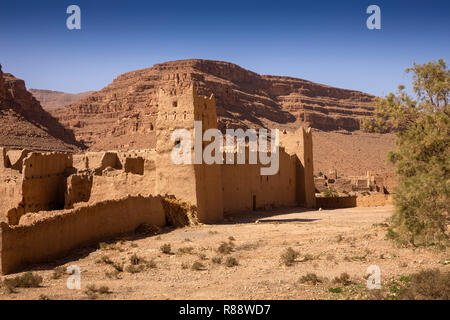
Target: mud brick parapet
x=50, y=235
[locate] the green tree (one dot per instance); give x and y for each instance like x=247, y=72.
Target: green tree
x=422, y=155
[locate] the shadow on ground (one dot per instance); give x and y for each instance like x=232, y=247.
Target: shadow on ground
x=261, y=216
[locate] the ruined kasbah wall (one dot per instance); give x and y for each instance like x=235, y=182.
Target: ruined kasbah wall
x=44, y=180
x=10, y=192
x=49, y=235
x=374, y=200
x=245, y=189
x=111, y=175
x=40, y=186
x=117, y=186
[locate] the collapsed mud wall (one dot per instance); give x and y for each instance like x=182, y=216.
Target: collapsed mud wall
x=44, y=180
x=33, y=182
x=373, y=200
x=49, y=235
x=10, y=192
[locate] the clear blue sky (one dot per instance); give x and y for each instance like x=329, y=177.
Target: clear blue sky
x=322, y=41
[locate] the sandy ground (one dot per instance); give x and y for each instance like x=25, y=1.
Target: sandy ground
x=330, y=242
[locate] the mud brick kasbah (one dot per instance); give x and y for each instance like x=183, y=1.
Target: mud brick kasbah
x=54, y=202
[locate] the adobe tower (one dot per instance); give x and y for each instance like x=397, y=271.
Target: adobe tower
x=199, y=184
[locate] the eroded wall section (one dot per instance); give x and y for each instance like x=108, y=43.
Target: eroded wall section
x=52, y=234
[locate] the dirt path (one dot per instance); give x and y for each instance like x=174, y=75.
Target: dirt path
x=329, y=242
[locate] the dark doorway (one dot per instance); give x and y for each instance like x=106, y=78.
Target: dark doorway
x=254, y=203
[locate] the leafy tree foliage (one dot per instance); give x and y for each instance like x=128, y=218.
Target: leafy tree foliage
x=422, y=156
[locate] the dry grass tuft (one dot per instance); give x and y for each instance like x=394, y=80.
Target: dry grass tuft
x=185, y=250
x=92, y=291
x=231, y=262
x=166, y=248
x=289, y=256
x=310, y=278
x=27, y=280
x=58, y=272
x=225, y=247
x=198, y=266
x=343, y=279
x=217, y=260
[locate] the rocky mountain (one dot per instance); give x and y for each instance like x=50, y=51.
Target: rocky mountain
x=122, y=114
x=23, y=122
x=53, y=100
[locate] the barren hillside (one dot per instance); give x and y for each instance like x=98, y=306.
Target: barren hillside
x=122, y=114
x=53, y=100
x=23, y=122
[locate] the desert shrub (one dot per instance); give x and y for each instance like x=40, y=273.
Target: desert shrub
x=113, y=274
x=118, y=266
x=135, y=259
x=132, y=268
x=289, y=256
x=109, y=246
x=422, y=155
x=310, y=278
x=197, y=266
x=225, y=248
x=343, y=279
x=27, y=280
x=179, y=213
x=138, y=264
x=335, y=290
x=202, y=256
x=231, y=262
x=92, y=291
x=185, y=250
x=105, y=259
x=248, y=246
x=430, y=284
x=330, y=192
x=151, y=264
x=217, y=260
x=166, y=248
x=58, y=272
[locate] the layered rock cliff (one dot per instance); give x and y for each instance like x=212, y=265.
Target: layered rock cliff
x=122, y=115
x=23, y=122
